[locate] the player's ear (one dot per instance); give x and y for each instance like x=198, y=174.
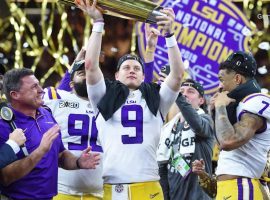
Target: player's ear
x=71, y=84
x=116, y=75
x=14, y=95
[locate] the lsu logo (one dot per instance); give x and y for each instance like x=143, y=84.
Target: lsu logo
x=207, y=32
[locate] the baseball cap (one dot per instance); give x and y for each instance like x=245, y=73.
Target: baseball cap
x=130, y=57
x=194, y=84
x=241, y=62
x=76, y=66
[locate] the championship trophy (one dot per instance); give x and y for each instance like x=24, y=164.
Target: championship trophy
x=139, y=10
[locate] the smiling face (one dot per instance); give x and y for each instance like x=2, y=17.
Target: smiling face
x=130, y=73
x=30, y=93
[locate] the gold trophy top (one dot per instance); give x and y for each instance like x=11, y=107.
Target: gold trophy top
x=139, y=10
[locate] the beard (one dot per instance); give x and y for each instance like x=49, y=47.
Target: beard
x=81, y=89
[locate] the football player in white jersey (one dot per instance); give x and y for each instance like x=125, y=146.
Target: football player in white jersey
x=242, y=120
x=129, y=113
x=75, y=116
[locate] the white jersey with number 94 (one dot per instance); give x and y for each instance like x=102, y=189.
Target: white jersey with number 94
x=76, y=119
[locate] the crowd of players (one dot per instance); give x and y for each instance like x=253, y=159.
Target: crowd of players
x=93, y=138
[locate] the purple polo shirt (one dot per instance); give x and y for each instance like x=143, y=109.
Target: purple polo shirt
x=41, y=182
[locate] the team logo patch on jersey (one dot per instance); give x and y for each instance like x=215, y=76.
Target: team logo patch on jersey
x=89, y=112
x=70, y=104
x=119, y=188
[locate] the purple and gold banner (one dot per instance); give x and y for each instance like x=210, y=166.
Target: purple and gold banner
x=207, y=31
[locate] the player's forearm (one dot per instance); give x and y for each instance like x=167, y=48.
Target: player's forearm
x=176, y=66
x=93, y=73
x=224, y=129
x=201, y=124
x=20, y=168
x=149, y=54
x=175, y=57
x=64, y=83
x=175, y=60
x=93, y=50
x=67, y=160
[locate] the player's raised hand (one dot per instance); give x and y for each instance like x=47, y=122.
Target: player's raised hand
x=166, y=21
x=88, y=159
x=222, y=99
x=151, y=36
x=92, y=10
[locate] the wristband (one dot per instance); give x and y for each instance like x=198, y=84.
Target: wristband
x=169, y=35
x=171, y=41
x=98, y=27
x=77, y=163
x=98, y=20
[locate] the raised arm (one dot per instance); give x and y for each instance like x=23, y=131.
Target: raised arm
x=64, y=83
x=93, y=72
x=202, y=125
x=151, y=35
x=175, y=59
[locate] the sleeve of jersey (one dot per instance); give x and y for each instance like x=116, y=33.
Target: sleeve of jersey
x=257, y=104
x=96, y=92
x=64, y=84
x=5, y=130
x=50, y=93
x=51, y=98
x=167, y=97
